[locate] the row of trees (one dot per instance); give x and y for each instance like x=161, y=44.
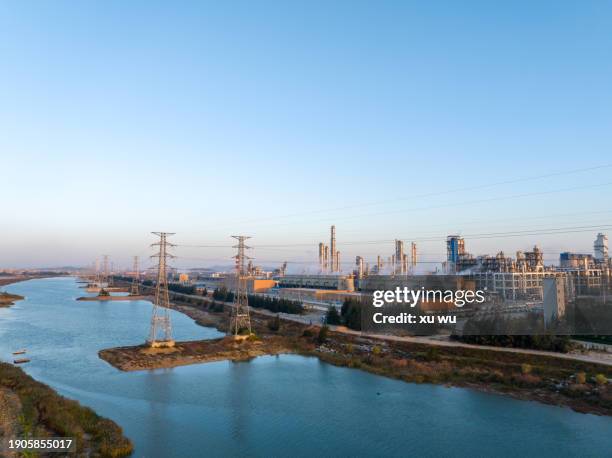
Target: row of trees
x=223, y=294
x=276, y=305
x=546, y=342
x=180, y=288
x=350, y=314
x=525, y=332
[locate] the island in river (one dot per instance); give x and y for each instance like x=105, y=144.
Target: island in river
x=6, y=299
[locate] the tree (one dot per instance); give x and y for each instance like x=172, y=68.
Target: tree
x=351, y=314
x=323, y=334
x=274, y=323
x=333, y=317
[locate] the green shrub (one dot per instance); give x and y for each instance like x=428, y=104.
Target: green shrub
x=601, y=379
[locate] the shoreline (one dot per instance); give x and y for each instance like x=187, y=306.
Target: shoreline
x=31, y=409
x=114, y=298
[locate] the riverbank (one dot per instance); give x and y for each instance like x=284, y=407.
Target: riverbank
x=31, y=409
x=114, y=298
x=580, y=385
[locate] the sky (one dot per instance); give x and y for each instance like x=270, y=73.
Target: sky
x=408, y=120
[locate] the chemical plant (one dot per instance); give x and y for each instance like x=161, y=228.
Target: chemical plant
x=509, y=281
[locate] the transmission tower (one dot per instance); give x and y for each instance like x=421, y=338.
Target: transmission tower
x=97, y=276
x=161, y=329
x=240, y=319
x=135, y=290
x=105, y=269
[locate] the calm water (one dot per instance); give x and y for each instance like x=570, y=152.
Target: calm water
x=272, y=406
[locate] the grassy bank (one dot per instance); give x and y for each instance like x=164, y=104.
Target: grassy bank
x=581, y=386
x=41, y=412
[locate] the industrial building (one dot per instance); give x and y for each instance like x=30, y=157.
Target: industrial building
x=504, y=278
x=253, y=284
x=338, y=282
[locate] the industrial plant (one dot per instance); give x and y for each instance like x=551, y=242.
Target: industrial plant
x=521, y=283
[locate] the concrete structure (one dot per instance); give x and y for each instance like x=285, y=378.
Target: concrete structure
x=252, y=284
x=575, y=261
x=317, y=295
x=600, y=248
x=516, y=285
x=554, y=299
x=339, y=282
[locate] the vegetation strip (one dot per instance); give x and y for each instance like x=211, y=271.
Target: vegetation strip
x=41, y=412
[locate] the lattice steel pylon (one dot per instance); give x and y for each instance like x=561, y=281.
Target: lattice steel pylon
x=134, y=289
x=105, y=273
x=161, y=328
x=240, y=319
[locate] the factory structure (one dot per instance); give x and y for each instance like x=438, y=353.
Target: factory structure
x=522, y=278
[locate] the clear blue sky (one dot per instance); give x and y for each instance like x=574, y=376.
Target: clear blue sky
x=210, y=119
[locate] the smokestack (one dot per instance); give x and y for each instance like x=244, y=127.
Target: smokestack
x=332, y=248
x=321, y=257
x=359, y=263
x=325, y=258
x=337, y=261
x=399, y=256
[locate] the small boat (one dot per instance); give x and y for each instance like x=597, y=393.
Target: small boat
x=21, y=361
x=19, y=352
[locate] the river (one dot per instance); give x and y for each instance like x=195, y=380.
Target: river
x=284, y=405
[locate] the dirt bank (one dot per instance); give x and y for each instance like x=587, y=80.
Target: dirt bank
x=6, y=299
x=203, y=351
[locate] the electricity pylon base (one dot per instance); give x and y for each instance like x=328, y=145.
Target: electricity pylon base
x=161, y=343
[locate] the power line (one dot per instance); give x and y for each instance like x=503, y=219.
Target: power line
x=432, y=194
x=549, y=231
